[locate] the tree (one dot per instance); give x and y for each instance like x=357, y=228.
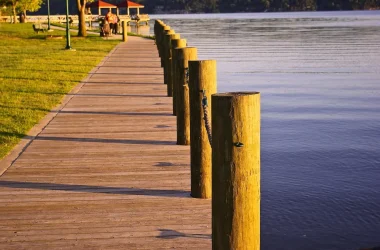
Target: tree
x=2, y=4
x=211, y=6
x=305, y=5
x=81, y=5
x=21, y=5
x=29, y=5
x=13, y=4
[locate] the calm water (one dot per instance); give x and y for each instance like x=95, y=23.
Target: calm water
x=319, y=76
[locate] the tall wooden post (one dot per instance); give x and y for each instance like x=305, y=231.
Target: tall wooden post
x=160, y=31
x=125, y=32
x=165, y=53
x=165, y=29
x=236, y=171
x=183, y=108
x=158, y=26
x=202, y=84
x=168, y=49
x=176, y=44
x=159, y=38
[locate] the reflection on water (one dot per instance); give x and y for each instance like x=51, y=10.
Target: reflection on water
x=319, y=75
x=141, y=29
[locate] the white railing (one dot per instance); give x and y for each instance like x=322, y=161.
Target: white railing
x=62, y=18
x=53, y=18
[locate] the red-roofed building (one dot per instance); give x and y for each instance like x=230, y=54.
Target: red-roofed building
x=101, y=5
x=130, y=5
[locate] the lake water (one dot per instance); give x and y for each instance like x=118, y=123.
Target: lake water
x=319, y=78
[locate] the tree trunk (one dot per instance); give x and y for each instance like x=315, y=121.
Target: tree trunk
x=14, y=13
x=81, y=18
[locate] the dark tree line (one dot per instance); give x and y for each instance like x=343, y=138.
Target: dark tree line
x=257, y=5
x=225, y=6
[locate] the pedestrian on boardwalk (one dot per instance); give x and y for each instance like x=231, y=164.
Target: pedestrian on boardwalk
x=114, y=23
x=106, y=29
x=109, y=20
x=116, y=20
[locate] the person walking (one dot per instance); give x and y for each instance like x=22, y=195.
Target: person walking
x=117, y=24
x=114, y=28
x=109, y=19
x=106, y=29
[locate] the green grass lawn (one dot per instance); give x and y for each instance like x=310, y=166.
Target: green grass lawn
x=35, y=74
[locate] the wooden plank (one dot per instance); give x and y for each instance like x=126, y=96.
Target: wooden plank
x=106, y=172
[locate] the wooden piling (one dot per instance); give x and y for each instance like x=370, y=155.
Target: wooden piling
x=165, y=56
x=183, y=109
x=164, y=31
x=236, y=171
x=202, y=79
x=125, y=32
x=175, y=44
x=168, y=63
x=158, y=24
x=160, y=32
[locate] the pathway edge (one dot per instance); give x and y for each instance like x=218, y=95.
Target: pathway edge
x=24, y=143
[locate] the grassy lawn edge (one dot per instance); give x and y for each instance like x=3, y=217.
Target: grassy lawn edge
x=36, y=74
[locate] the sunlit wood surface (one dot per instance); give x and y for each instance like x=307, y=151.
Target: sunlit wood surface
x=106, y=172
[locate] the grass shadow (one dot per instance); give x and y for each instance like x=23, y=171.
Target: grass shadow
x=27, y=108
x=14, y=134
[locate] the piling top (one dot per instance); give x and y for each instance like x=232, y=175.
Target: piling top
x=236, y=94
x=187, y=48
x=176, y=41
x=201, y=61
x=174, y=36
x=169, y=32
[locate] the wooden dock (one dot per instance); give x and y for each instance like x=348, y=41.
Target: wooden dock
x=105, y=172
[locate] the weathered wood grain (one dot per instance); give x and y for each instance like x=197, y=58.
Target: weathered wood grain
x=106, y=172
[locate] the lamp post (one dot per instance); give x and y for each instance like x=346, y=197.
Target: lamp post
x=48, y=3
x=68, y=46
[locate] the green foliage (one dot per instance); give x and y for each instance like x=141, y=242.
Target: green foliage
x=29, y=5
x=35, y=73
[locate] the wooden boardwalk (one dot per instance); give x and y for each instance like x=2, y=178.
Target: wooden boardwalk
x=106, y=173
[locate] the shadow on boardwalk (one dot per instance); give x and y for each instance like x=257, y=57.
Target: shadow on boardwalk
x=129, y=74
x=95, y=189
x=172, y=234
x=101, y=140
x=112, y=113
x=123, y=83
x=118, y=95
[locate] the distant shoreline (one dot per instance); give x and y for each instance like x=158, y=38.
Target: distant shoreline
x=179, y=12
